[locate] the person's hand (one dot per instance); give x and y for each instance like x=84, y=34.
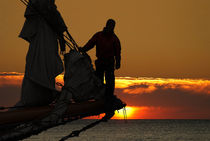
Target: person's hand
x=117, y=65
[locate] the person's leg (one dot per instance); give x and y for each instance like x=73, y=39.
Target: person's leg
x=110, y=85
x=110, y=82
x=99, y=71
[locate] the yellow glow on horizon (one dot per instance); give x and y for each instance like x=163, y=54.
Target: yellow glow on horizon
x=138, y=85
x=195, y=85
x=128, y=88
x=130, y=111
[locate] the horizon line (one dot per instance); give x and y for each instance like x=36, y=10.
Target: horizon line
x=4, y=73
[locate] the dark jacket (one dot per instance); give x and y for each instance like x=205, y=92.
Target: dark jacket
x=107, y=46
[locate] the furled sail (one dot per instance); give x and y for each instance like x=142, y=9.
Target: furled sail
x=80, y=78
x=80, y=84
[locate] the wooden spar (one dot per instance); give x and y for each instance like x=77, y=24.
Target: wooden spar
x=28, y=114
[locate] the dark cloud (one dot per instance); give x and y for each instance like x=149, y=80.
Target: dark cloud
x=186, y=98
x=10, y=73
x=166, y=98
x=9, y=95
x=10, y=87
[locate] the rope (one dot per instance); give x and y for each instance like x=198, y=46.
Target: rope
x=74, y=46
x=76, y=133
x=72, y=40
x=125, y=114
x=24, y=2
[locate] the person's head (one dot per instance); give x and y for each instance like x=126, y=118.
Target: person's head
x=110, y=25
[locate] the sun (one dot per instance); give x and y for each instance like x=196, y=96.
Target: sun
x=128, y=113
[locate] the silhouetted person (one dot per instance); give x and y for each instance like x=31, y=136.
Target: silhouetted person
x=108, y=53
x=42, y=29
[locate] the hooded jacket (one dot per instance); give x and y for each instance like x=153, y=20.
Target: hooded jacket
x=107, y=46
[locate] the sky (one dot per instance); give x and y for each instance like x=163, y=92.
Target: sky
x=160, y=38
x=165, y=71
x=146, y=97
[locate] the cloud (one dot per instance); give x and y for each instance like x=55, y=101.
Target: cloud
x=10, y=79
x=166, y=98
x=10, y=73
x=10, y=87
x=179, y=98
x=149, y=85
x=9, y=95
x=140, y=89
x=189, y=97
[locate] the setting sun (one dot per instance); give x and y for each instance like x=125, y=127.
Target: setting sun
x=127, y=113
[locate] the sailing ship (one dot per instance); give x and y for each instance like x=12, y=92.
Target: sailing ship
x=82, y=95
x=22, y=123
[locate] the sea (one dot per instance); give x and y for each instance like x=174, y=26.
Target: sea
x=130, y=130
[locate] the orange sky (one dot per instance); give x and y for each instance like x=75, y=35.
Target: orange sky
x=160, y=38
x=146, y=98
x=165, y=52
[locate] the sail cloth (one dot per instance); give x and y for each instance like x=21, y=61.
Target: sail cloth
x=80, y=84
x=80, y=79
x=43, y=62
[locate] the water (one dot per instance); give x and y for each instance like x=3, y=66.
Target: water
x=132, y=130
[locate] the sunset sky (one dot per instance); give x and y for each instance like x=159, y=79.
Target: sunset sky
x=165, y=69
x=160, y=38
x=147, y=98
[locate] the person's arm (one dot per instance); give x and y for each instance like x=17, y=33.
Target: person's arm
x=117, y=53
x=90, y=44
